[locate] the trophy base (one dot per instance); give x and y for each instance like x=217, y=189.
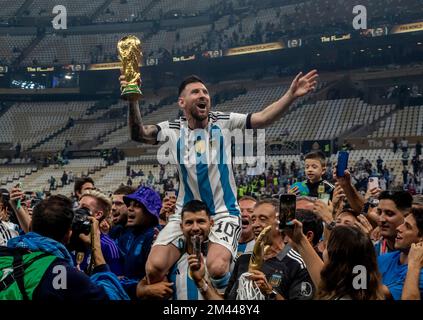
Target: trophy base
x=131, y=93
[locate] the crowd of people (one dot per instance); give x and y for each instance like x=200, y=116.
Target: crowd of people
x=318, y=238
x=313, y=258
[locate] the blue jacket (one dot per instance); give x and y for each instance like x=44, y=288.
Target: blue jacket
x=135, y=244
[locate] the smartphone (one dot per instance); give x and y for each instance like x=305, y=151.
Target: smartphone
x=18, y=202
x=196, y=244
x=287, y=207
x=373, y=183
x=342, y=164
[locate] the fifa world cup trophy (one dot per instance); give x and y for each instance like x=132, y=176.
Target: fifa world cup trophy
x=129, y=51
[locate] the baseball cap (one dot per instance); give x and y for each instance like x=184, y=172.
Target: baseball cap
x=148, y=197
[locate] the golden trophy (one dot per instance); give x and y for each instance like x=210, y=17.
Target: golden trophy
x=261, y=246
x=129, y=51
x=247, y=288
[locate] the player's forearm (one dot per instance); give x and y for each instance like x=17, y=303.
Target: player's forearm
x=272, y=112
x=411, y=290
x=137, y=130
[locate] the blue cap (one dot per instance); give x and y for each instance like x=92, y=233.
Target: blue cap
x=148, y=197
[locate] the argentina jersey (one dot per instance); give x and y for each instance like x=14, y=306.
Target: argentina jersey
x=203, y=159
x=184, y=287
x=246, y=247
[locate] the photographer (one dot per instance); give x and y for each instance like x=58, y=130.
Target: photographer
x=96, y=204
x=43, y=267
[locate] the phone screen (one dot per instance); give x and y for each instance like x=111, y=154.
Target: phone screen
x=342, y=163
x=373, y=183
x=287, y=209
x=196, y=243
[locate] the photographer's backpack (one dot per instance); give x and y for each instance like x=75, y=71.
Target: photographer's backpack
x=21, y=272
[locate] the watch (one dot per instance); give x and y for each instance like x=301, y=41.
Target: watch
x=331, y=225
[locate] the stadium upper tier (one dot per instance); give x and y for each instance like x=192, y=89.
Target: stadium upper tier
x=241, y=23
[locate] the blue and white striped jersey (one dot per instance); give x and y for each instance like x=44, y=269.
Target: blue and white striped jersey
x=203, y=159
x=246, y=247
x=184, y=287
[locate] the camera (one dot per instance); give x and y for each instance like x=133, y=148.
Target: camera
x=80, y=225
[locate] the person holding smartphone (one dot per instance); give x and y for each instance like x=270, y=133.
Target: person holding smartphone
x=187, y=279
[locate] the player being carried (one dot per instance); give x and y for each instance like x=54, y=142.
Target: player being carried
x=213, y=183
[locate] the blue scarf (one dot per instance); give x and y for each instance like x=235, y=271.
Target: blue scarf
x=35, y=242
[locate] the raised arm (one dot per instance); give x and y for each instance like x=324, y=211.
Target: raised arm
x=300, y=86
x=300, y=243
x=137, y=130
x=23, y=216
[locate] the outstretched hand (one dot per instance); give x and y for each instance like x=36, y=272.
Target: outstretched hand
x=302, y=85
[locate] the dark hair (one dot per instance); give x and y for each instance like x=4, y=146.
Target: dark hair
x=195, y=206
x=52, y=217
x=402, y=199
x=418, y=216
x=79, y=182
x=187, y=81
x=316, y=155
x=125, y=190
x=347, y=248
x=311, y=222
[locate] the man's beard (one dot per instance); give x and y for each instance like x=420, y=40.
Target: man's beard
x=198, y=117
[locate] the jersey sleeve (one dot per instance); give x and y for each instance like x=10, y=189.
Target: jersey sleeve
x=301, y=287
x=163, y=130
x=239, y=121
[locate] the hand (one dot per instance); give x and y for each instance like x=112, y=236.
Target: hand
x=196, y=268
x=124, y=83
x=122, y=80
x=160, y=290
x=338, y=195
x=294, y=191
x=415, y=255
x=261, y=281
x=86, y=238
x=364, y=224
x=16, y=194
x=302, y=85
x=375, y=235
x=372, y=193
x=323, y=210
x=296, y=233
x=344, y=181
